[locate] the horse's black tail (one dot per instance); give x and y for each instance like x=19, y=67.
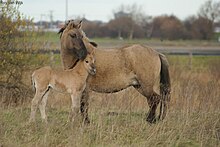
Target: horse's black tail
x=165, y=86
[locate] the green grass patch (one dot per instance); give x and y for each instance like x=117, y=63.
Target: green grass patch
x=194, y=62
x=48, y=36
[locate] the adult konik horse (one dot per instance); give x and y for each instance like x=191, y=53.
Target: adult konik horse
x=141, y=67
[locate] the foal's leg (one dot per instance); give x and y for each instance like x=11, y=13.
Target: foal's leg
x=75, y=108
x=42, y=106
x=34, y=104
x=84, y=105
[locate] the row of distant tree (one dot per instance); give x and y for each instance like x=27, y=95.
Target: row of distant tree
x=130, y=22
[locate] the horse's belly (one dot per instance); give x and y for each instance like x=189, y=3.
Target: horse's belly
x=108, y=88
x=109, y=84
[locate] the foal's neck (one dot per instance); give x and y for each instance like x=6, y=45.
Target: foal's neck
x=80, y=69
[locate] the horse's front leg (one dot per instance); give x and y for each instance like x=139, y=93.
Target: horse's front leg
x=84, y=104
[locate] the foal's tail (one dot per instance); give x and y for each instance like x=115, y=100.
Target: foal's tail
x=165, y=86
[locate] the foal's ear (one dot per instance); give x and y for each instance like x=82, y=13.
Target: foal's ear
x=93, y=43
x=92, y=52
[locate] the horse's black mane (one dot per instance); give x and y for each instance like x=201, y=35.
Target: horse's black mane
x=64, y=27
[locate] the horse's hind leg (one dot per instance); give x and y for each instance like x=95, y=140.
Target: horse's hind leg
x=42, y=106
x=153, y=100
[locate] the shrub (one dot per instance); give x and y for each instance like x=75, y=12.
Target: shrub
x=16, y=50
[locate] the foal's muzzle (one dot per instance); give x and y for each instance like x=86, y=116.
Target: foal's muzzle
x=93, y=70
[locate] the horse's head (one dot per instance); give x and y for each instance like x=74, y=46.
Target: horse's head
x=89, y=63
x=72, y=40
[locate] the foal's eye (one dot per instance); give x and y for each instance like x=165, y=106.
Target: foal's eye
x=87, y=61
x=73, y=35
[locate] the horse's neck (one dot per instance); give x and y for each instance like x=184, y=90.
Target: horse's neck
x=74, y=63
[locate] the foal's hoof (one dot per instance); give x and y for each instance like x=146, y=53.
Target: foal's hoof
x=31, y=121
x=44, y=120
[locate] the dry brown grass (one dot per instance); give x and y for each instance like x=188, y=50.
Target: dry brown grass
x=119, y=119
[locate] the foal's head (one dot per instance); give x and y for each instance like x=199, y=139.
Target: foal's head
x=89, y=63
x=72, y=40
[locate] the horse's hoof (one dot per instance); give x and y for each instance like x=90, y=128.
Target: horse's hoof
x=86, y=121
x=151, y=120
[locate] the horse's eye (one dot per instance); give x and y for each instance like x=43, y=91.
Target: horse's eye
x=87, y=61
x=73, y=35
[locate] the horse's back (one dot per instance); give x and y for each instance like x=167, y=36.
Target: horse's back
x=137, y=51
x=138, y=56
x=146, y=64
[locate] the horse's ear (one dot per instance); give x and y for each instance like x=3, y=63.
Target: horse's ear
x=70, y=25
x=61, y=30
x=79, y=26
x=93, y=43
x=64, y=26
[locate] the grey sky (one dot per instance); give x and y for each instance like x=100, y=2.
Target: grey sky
x=103, y=9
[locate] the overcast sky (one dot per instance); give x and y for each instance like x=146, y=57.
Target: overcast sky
x=103, y=9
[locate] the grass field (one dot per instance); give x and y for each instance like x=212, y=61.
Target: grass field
x=119, y=119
